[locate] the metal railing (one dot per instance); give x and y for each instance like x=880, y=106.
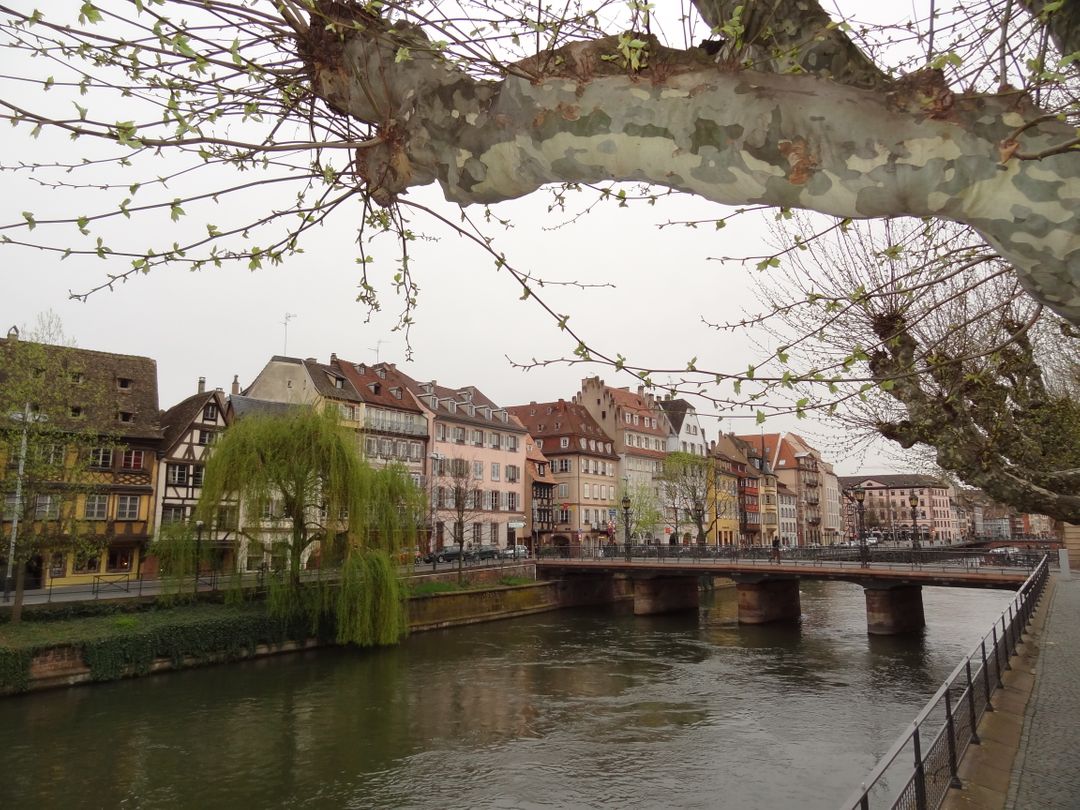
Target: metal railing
x=945, y=558
x=921, y=766
x=130, y=585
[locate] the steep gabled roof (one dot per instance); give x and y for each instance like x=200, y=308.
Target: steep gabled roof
x=462, y=400
x=176, y=420
x=676, y=411
x=99, y=395
x=241, y=406
x=331, y=383
x=555, y=420
x=377, y=384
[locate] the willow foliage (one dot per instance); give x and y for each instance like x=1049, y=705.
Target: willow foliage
x=302, y=484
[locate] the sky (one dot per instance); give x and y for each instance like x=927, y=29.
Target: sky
x=641, y=291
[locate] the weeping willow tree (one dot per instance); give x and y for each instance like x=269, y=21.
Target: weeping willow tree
x=303, y=486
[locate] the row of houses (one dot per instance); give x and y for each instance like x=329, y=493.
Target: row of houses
x=582, y=470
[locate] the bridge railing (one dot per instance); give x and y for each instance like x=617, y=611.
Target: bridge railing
x=944, y=558
x=921, y=766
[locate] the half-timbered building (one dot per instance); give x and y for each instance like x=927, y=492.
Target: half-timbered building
x=189, y=430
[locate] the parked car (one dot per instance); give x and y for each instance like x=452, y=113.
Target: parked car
x=488, y=553
x=515, y=552
x=449, y=554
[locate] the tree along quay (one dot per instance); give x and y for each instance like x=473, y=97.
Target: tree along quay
x=106, y=641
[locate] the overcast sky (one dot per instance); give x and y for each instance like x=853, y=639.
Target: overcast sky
x=470, y=322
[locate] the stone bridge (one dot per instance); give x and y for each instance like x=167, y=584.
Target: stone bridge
x=769, y=591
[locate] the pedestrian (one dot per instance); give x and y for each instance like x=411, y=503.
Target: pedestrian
x=776, y=549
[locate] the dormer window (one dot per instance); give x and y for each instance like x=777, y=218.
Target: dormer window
x=125, y=417
x=396, y=391
x=77, y=378
x=339, y=382
x=375, y=388
x=209, y=412
x=124, y=383
x=361, y=369
x=381, y=372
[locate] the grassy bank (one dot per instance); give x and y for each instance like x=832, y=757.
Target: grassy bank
x=115, y=645
x=125, y=637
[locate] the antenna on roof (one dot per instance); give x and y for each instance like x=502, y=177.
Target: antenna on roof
x=375, y=348
x=288, y=317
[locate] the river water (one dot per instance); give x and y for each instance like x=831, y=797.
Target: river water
x=571, y=709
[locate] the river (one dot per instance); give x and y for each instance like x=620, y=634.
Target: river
x=571, y=709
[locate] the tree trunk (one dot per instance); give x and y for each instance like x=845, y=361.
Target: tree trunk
x=20, y=587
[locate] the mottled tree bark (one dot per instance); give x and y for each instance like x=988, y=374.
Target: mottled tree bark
x=732, y=135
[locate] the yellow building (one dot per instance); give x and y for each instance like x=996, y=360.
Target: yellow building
x=724, y=502
x=79, y=478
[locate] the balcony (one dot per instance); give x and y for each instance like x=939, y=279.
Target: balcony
x=812, y=500
x=396, y=428
x=811, y=480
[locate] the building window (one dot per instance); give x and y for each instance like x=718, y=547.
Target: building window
x=47, y=507
x=127, y=507
x=173, y=513
x=119, y=560
x=197, y=471
x=478, y=470
x=227, y=517
x=478, y=438
x=564, y=490
x=125, y=417
x=494, y=471
x=347, y=412
x=86, y=563
x=440, y=432
x=585, y=491
x=101, y=457
x=176, y=474
x=132, y=460
x=496, y=440
x=512, y=443
x=94, y=507
x=209, y=412
x=513, y=473
x=76, y=412
x=564, y=442
x=206, y=437
x=512, y=501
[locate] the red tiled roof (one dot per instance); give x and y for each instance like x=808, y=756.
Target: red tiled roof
x=555, y=420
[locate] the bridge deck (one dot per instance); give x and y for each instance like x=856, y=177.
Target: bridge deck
x=960, y=575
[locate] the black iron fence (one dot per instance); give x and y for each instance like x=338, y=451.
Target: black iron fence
x=945, y=557
x=131, y=585
x=921, y=766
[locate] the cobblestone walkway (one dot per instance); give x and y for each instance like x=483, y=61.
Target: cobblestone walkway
x=1046, y=773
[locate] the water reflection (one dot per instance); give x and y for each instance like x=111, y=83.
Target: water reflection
x=572, y=709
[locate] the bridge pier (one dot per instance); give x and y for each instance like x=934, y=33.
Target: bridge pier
x=893, y=609
x=763, y=600
x=665, y=595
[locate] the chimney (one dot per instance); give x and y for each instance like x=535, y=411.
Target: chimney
x=13, y=333
x=202, y=385
x=236, y=385
x=333, y=358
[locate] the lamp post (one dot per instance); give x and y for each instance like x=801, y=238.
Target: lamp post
x=626, y=523
x=27, y=417
x=913, y=501
x=198, y=551
x=860, y=510
x=699, y=520
x=435, y=459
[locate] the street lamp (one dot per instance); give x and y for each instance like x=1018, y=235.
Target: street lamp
x=913, y=501
x=198, y=551
x=860, y=509
x=27, y=417
x=435, y=459
x=626, y=523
